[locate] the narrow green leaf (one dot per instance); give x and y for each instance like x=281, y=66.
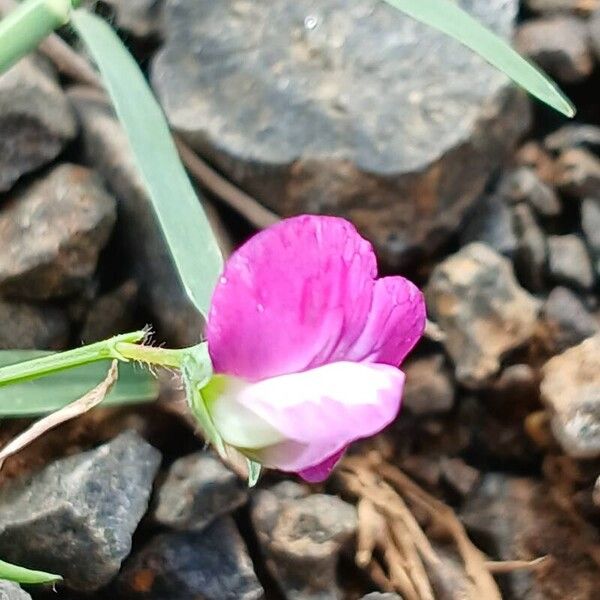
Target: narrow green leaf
x=254, y=470
x=27, y=25
x=184, y=225
x=23, y=575
x=449, y=18
x=43, y=396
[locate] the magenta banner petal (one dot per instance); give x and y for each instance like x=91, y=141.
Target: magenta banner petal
x=305, y=293
x=320, y=411
x=288, y=296
x=395, y=323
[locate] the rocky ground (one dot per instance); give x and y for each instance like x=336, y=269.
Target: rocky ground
x=492, y=204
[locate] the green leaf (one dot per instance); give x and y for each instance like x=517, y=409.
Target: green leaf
x=254, y=470
x=183, y=222
x=449, y=18
x=23, y=575
x=43, y=396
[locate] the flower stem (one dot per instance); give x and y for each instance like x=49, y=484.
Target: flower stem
x=163, y=357
x=27, y=25
x=38, y=367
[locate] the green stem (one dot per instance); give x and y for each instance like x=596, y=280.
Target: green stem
x=163, y=357
x=27, y=25
x=38, y=367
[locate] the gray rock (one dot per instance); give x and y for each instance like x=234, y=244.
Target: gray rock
x=198, y=489
x=77, y=516
x=36, y=120
x=568, y=320
x=11, y=591
x=578, y=173
x=531, y=255
x=27, y=326
x=594, y=33
x=209, y=565
x=336, y=118
x=142, y=18
x=558, y=45
x=458, y=475
x=570, y=389
x=573, y=136
x=301, y=540
x=523, y=185
x=569, y=262
x=532, y=250
x=474, y=297
x=380, y=596
x=429, y=387
x=52, y=232
x=110, y=314
x=513, y=518
x=107, y=149
x=490, y=222
x=590, y=223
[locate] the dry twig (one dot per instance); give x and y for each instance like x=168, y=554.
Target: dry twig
x=412, y=562
x=71, y=411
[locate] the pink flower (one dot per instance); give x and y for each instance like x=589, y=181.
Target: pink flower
x=305, y=342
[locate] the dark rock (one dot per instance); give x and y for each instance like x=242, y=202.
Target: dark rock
x=570, y=389
x=523, y=185
x=534, y=156
x=567, y=319
x=429, y=387
x=110, y=314
x=301, y=539
x=532, y=250
x=578, y=173
x=36, y=120
x=558, y=45
x=515, y=519
x=474, y=297
x=335, y=118
x=198, y=489
x=461, y=477
x=596, y=493
x=107, y=149
x=590, y=223
x=573, y=136
x=77, y=516
x=52, y=232
x=27, y=326
x=594, y=33
x=490, y=222
x=569, y=262
x=209, y=565
x=11, y=591
x=141, y=18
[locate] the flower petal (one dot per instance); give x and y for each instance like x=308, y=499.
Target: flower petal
x=323, y=470
x=303, y=293
x=395, y=323
x=317, y=413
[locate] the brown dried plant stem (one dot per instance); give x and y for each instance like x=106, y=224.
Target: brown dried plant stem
x=69, y=412
x=410, y=559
